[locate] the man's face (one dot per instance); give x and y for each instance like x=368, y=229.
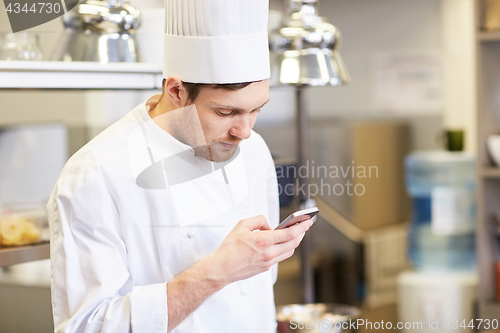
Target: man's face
x=227, y=117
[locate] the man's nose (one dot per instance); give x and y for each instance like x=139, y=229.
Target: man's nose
x=242, y=128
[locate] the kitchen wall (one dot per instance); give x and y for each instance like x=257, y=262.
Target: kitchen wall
x=370, y=27
x=31, y=157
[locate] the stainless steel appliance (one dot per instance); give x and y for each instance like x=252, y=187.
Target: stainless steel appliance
x=100, y=31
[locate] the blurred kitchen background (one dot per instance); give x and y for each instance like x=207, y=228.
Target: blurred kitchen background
x=415, y=69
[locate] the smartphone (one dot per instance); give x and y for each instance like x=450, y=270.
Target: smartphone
x=299, y=216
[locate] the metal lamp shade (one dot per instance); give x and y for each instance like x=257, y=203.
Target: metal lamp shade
x=304, y=50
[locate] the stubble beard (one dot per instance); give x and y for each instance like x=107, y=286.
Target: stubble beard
x=186, y=128
x=214, y=152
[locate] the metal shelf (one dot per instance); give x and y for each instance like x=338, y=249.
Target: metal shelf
x=490, y=172
x=79, y=75
x=17, y=255
x=488, y=36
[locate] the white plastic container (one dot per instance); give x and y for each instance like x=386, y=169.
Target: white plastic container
x=436, y=302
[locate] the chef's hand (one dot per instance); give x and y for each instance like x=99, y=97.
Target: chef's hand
x=252, y=247
x=249, y=249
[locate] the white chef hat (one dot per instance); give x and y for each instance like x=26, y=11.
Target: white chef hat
x=216, y=41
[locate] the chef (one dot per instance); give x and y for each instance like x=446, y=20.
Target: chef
x=164, y=221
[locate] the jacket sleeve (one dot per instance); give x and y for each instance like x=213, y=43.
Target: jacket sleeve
x=92, y=288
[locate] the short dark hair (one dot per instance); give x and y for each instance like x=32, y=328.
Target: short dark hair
x=193, y=89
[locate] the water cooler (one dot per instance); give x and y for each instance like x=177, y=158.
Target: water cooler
x=439, y=295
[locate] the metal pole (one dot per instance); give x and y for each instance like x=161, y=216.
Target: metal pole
x=303, y=182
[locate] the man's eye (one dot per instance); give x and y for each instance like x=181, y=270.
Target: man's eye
x=224, y=112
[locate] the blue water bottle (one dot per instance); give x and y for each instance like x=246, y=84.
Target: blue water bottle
x=442, y=186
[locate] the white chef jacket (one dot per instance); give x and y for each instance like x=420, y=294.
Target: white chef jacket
x=114, y=244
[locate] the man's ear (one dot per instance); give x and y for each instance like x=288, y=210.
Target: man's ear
x=175, y=91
